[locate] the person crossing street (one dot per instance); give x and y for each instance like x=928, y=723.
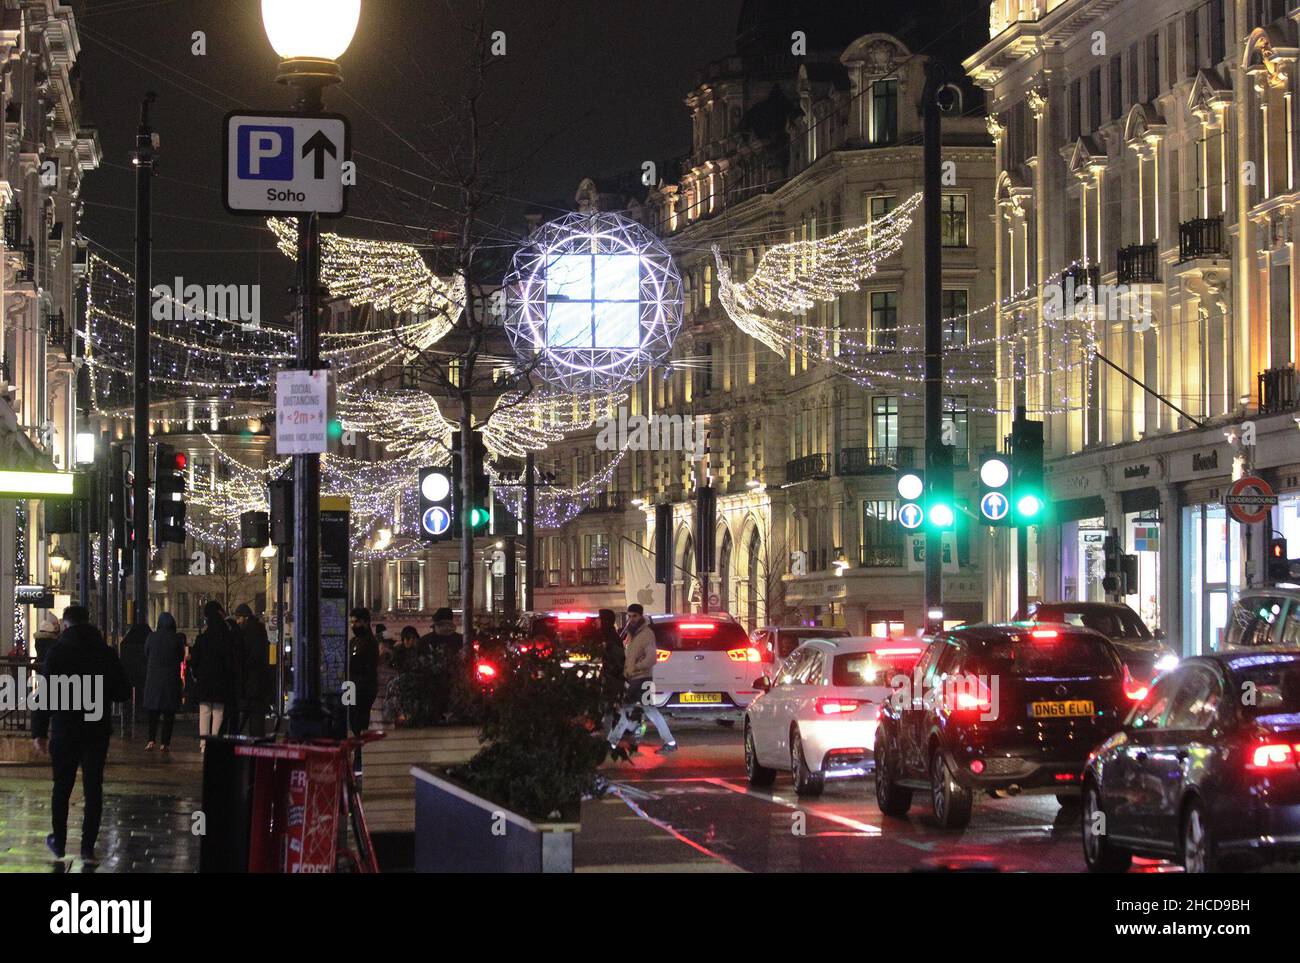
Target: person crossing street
x=640, y=657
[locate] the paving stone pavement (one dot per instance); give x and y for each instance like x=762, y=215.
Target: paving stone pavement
x=148, y=802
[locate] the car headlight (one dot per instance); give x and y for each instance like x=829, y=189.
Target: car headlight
x=1167, y=662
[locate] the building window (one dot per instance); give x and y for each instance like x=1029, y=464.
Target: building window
x=955, y=412
x=884, y=320
x=595, y=557
x=1094, y=99
x=1218, y=31
x=1116, y=88
x=453, y=580
x=408, y=585
x=884, y=418
x=884, y=112
x=952, y=216
x=1153, y=64
x=882, y=536
x=1076, y=109
x=956, y=324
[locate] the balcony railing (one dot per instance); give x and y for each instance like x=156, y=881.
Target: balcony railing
x=873, y=461
x=13, y=226
x=1081, y=276
x=1200, y=237
x=1137, y=264
x=880, y=556
x=607, y=502
x=807, y=468
x=18, y=668
x=1277, y=390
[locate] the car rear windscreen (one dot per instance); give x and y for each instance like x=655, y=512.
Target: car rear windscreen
x=1065, y=654
x=1274, y=681
x=1112, y=623
x=870, y=668
x=699, y=636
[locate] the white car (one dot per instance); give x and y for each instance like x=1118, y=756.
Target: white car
x=817, y=717
x=707, y=666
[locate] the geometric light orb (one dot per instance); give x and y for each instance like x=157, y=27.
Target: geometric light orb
x=593, y=301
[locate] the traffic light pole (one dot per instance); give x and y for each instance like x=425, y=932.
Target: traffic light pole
x=1022, y=542
x=143, y=158
x=934, y=451
x=107, y=465
x=530, y=522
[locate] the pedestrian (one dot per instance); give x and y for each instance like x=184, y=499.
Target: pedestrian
x=408, y=651
x=215, y=669
x=77, y=736
x=444, y=640
x=46, y=636
x=131, y=652
x=640, y=656
x=258, y=681
x=612, y=681
x=363, y=670
x=164, y=651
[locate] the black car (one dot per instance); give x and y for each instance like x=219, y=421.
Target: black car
x=1145, y=654
x=1204, y=770
x=1003, y=709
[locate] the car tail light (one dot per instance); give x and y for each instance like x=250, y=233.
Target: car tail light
x=1273, y=756
x=887, y=653
x=977, y=766
x=836, y=707
x=485, y=671
x=572, y=616
x=749, y=654
x=1065, y=777
x=661, y=655
x=1133, y=689
x=1044, y=634
x=698, y=626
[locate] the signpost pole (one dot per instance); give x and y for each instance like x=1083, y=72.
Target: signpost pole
x=143, y=158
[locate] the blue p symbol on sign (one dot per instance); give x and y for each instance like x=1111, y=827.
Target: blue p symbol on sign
x=265, y=153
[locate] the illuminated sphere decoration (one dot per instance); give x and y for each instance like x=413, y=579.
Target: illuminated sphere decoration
x=594, y=301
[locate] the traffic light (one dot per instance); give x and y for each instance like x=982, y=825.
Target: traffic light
x=995, y=490
x=169, y=494
x=437, y=508
x=1113, y=581
x=940, y=504
x=706, y=524
x=1279, y=564
x=254, y=530
x=910, y=485
x=477, y=501
x=281, y=502
x=663, y=543
x=1029, y=499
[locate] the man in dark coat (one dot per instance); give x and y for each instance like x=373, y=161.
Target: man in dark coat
x=77, y=736
x=258, y=680
x=444, y=640
x=164, y=651
x=363, y=670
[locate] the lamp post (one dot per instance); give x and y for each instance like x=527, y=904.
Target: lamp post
x=84, y=453
x=309, y=36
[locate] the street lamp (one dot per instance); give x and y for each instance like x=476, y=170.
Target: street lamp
x=84, y=453
x=309, y=36
x=59, y=565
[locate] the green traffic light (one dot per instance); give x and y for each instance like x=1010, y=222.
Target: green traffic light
x=335, y=429
x=941, y=515
x=478, y=517
x=1028, y=506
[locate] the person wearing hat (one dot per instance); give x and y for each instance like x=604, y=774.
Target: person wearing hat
x=444, y=640
x=363, y=670
x=258, y=682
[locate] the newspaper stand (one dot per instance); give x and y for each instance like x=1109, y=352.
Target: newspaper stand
x=305, y=804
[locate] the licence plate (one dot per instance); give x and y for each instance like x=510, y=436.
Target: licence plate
x=699, y=698
x=1061, y=709
x=579, y=657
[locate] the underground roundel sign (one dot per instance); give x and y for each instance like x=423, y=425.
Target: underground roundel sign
x=1250, y=499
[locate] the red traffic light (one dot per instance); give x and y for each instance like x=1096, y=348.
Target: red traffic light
x=181, y=461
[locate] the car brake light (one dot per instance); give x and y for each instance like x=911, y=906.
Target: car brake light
x=892, y=652
x=572, y=616
x=750, y=654
x=698, y=626
x=485, y=671
x=967, y=700
x=835, y=707
x=1044, y=634
x=1137, y=691
x=661, y=655
x=1273, y=756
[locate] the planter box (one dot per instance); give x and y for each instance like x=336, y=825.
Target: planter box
x=459, y=832
x=387, y=789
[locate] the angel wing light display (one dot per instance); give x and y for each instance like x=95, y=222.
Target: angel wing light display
x=791, y=278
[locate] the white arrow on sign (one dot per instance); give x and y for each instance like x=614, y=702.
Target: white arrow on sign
x=286, y=163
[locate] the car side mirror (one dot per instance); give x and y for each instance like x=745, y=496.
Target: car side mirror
x=763, y=683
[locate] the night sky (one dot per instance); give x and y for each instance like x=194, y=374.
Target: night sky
x=588, y=88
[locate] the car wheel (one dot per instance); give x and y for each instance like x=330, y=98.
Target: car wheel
x=891, y=798
x=1099, y=853
x=1198, y=841
x=726, y=723
x=806, y=782
x=758, y=775
x=951, y=802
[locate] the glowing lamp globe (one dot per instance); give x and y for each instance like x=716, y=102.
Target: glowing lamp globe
x=310, y=29
x=1029, y=505
x=941, y=515
x=593, y=301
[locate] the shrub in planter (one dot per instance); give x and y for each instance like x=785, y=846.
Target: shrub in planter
x=435, y=690
x=543, y=738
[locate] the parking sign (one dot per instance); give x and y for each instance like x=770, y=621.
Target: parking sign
x=286, y=163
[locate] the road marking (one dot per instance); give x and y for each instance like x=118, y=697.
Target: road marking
x=617, y=790
x=865, y=829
